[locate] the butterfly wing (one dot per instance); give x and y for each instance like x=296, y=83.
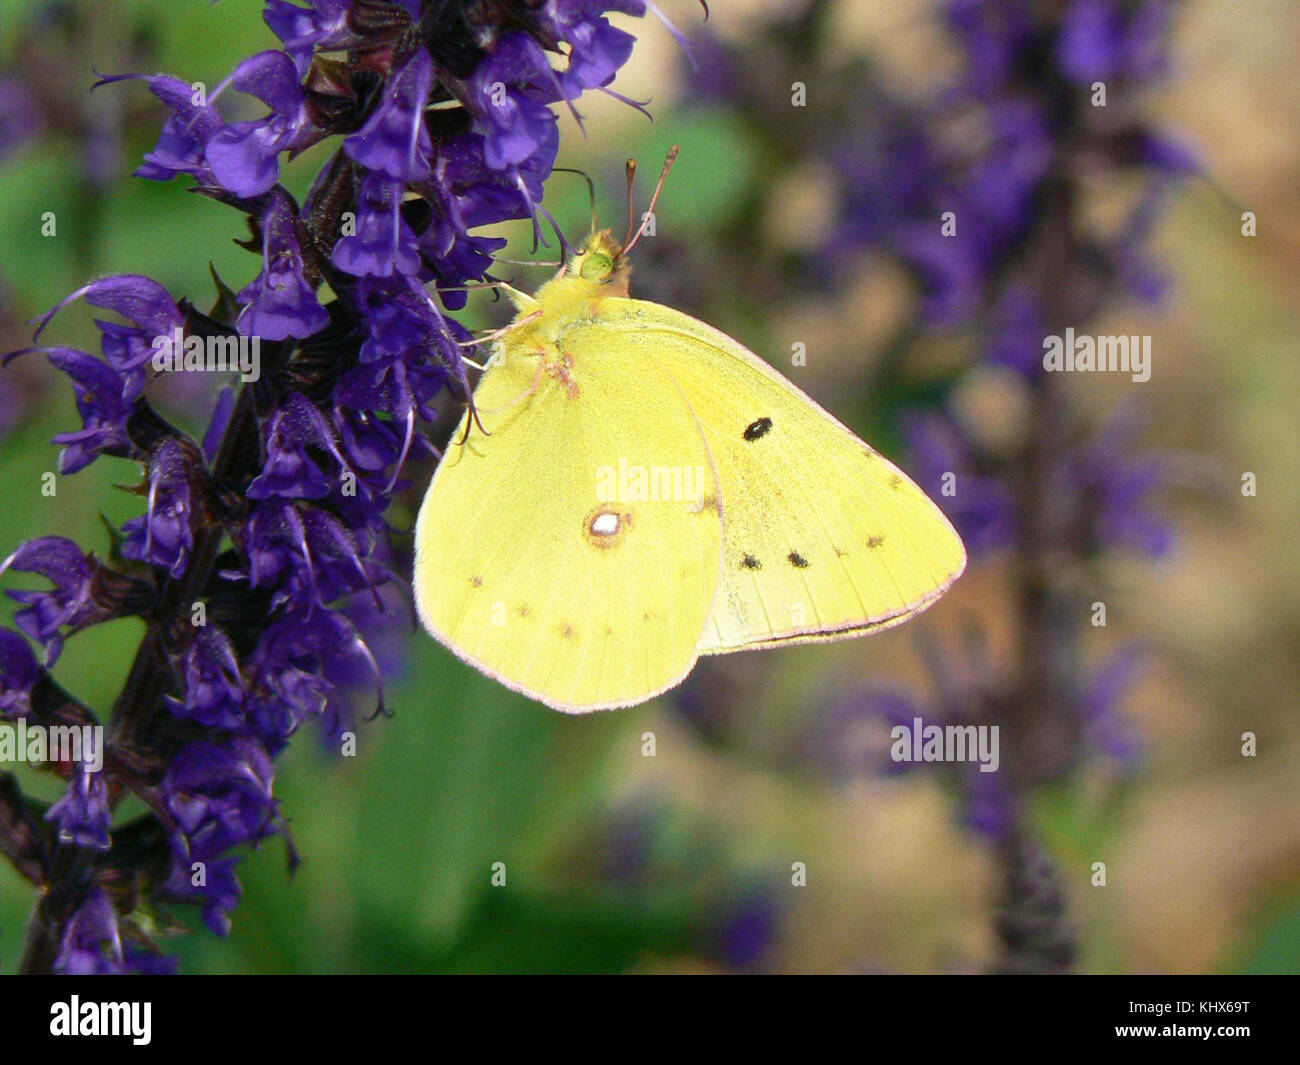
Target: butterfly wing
x=528, y=570
x=824, y=538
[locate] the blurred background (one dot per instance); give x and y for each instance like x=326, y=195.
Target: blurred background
x=785, y=224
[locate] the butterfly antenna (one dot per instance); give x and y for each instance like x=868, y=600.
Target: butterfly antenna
x=654, y=199
x=591, y=189
x=631, y=210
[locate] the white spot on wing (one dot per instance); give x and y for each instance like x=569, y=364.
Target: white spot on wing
x=605, y=524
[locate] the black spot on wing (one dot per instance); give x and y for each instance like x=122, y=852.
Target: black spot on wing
x=750, y=562
x=875, y=541
x=758, y=429
x=797, y=560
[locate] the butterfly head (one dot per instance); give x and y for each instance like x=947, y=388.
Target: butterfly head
x=601, y=261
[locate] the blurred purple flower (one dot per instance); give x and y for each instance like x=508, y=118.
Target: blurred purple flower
x=1114, y=485
x=20, y=115
x=1104, y=39
x=981, y=507
x=744, y=930
x=1106, y=729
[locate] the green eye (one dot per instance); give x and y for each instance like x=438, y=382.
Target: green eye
x=596, y=266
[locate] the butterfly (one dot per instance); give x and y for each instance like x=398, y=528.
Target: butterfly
x=647, y=491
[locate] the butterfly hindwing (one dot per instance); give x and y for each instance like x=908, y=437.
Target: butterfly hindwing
x=541, y=558
x=823, y=536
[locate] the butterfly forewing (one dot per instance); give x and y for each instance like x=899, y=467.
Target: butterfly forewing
x=573, y=551
x=823, y=536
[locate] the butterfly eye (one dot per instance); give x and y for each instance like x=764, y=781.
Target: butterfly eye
x=596, y=266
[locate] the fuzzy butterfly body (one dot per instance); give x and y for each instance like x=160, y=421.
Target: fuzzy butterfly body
x=649, y=491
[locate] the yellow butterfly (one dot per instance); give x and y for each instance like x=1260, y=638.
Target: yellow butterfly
x=649, y=491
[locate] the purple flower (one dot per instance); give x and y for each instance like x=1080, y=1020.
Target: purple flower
x=597, y=50
x=409, y=354
x=218, y=797
x=992, y=36
x=210, y=883
x=105, y=401
x=383, y=243
x=91, y=944
x=950, y=271
x=280, y=303
x=299, y=664
x=139, y=299
x=1091, y=42
x=290, y=472
x=244, y=156
x=83, y=815
x=508, y=95
x=394, y=139
x=276, y=523
x=307, y=555
x=69, y=603
x=214, y=690
x=19, y=672
x=163, y=535
x=481, y=195
x=1000, y=190
x=323, y=24
x=106, y=394
x=185, y=134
